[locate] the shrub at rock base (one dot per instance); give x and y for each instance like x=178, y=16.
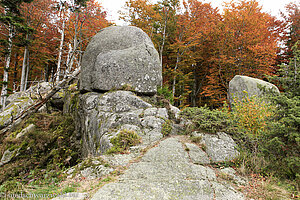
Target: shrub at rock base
x=250, y=116
x=124, y=140
x=204, y=119
x=269, y=135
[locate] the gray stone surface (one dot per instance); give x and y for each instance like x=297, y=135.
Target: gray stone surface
x=219, y=147
x=20, y=101
x=100, y=117
x=72, y=196
x=228, y=170
x=233, y=177
x=28, y=129
x=242, y=86
x=118, y=56
x=165, y=172
x=8, y=155
x=226, y=192
x=118, y=159
x=197, y=155
x=94, y=172
x=33, y=92
x=13, y=109
x=175, y=111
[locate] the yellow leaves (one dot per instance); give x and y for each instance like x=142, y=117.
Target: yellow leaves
x=252, y=114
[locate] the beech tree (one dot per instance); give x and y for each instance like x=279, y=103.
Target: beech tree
x=192, y=46
x=37, y=15
x=11, y=21
x=291, y=33
x=78, y=16
x=246, y=45
x=157, y=20
x=84, y=22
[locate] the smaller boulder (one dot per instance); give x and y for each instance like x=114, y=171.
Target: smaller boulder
x=219, y=147
x=243, y=86
x=197, y=155
x=28, y=129
x=8, y=155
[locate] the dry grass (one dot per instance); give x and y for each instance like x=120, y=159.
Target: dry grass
x=262, y=188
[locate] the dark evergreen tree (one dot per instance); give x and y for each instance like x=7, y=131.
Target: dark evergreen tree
x=282, y=142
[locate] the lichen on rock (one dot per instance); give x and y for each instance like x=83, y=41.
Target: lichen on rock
x=119, y=56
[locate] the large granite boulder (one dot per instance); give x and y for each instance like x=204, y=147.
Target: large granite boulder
x=100, y=117
x=118, y=56
x=244, y=86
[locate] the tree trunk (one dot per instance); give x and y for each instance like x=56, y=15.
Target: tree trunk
x=163, y=40
x=69, y=59
x=6, y=68
x=75, y=43
x=24, y=67
x=58, y=71
x=27, y=71
x=194, y=95
x=36, y=106
x=175, y=69
x=15, y=72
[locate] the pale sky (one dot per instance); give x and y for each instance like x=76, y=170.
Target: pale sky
x=113, y=6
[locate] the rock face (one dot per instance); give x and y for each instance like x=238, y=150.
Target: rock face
x=101, y=116
x=8, y=155
x=241, y=86
x=219, y=147
x=165, y=172
x=118, y=56
x=19, y=101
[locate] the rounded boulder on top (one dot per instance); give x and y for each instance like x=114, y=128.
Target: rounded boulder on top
x=119, y=56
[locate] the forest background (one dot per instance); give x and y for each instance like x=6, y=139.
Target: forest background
x=200, y=48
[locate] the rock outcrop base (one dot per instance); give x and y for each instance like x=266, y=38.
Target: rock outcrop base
x=167, y=172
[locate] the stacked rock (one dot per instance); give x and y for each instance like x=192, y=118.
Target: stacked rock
x=118, y=56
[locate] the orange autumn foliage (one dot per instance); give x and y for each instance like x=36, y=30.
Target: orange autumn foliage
x=246, y=45
x=204, y=49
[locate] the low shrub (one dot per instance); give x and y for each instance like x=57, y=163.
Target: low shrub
x=269, y=135
x=166, y=93
x=167, y=128
x=124, y=140
x=250, y=116
x=206, y=120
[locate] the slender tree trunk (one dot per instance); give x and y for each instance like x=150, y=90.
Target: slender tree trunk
x=163, y=41
x=75, y=42
x=194, y=96
x=27, y=71
x=58, y=71
x=68, y=59
x=6, y=68
x=75, y=45
x=295, y=71
x=175, y=69
x=80, y=52
x=24, y=66
x=15, y=72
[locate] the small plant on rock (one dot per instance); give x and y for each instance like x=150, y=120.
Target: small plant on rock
x=166, y=93
x=124, y=140
x=206, y=120
x=196, y=139
x=167, y=128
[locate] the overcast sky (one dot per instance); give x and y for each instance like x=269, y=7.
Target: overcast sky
x=113, y=6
